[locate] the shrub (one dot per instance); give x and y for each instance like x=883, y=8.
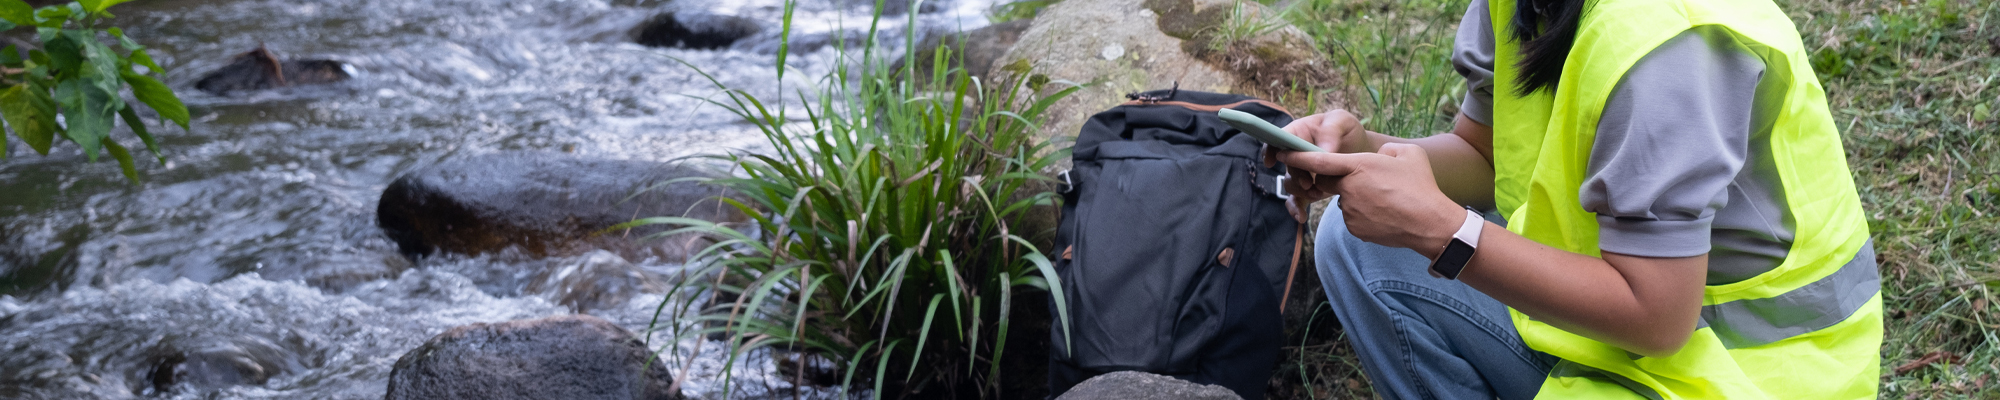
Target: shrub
x=885, y=235
x=77, y=76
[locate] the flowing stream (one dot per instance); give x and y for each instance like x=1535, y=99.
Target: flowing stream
x=254, y=246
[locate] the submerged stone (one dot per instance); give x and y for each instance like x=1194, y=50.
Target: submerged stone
x=546, y=205
x=561, y=357
x=694, y=30
x=259, y=69
x=208, y=365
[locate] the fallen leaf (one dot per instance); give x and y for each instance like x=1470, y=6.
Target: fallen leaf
x=1979, y=305
x=1928, y=359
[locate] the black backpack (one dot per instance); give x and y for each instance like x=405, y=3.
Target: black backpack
x=1174, y=245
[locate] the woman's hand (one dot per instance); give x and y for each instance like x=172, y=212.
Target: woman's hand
x=1335, y=131
x=1388, y=197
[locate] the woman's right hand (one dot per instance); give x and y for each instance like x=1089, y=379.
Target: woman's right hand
x=1335, y=131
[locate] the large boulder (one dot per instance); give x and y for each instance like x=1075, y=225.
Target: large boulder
x=561, y=357
x=1139, y=385
x=1127, y=46
x=546, y=205
x=259, y=69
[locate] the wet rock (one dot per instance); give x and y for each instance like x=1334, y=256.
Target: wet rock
x=1139, y=385
x=204, y=364
x=560, y=357
x=694, y=30
x=259, y=69
x=1137, y=45
x=974, y=50
x=545, y=205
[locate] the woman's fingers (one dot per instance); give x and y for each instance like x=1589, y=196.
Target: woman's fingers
x=1334, y=164
x=1329, y=131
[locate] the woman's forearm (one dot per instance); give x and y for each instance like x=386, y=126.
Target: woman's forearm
x=1644, y=305
x=1463, y=172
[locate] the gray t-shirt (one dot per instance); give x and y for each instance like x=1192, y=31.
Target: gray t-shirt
x=1681, y=165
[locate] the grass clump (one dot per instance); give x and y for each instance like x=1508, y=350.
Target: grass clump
x=1397, y=55
x=886, y=239
x=1246, y=22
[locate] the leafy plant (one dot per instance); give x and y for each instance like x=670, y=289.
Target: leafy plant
x=77, y=76
x=885, y=235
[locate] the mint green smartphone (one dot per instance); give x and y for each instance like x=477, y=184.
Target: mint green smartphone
x=1265, y=132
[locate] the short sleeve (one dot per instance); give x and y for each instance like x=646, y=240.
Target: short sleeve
x=1672, y=138
x=1472, y=56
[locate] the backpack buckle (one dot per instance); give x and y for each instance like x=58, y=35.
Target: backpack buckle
x=1279, y=190
x=1067, y=184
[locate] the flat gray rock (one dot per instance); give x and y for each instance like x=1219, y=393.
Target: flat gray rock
x=1126, y=385
x=562, y=357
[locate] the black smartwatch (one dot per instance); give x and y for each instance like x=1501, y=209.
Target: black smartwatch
x=1459, y=251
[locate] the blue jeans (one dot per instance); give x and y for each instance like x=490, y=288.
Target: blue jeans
x=1421, y=337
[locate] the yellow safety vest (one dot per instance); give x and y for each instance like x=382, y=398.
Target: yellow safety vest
x=1809, y=329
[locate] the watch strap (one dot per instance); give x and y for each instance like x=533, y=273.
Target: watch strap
x=1459, y=250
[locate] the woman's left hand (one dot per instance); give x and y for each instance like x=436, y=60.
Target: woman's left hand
x=1388, y=197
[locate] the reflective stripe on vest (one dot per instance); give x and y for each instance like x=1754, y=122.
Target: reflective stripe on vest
x=1810, y=328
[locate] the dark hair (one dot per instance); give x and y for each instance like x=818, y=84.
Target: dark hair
x=1545, y=29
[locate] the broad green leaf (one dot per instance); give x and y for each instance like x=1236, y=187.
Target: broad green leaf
x=86, y=115
x=17, y=12
x=11, y=56
x=99, y=5
x=51, y=17
x=32, y=115
x=140, y=56
x=159, y=97
x=99, y=61
x=65, y=56
x=7, y=25
x=139, y=129
x=124, y=159
x=124, y=41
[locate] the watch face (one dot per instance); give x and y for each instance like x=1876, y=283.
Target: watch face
x=1453, y=260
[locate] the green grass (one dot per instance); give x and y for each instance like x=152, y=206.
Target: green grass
x=1906, y=82
x=1912, y=86
x=886, y=234
x=1397, y=57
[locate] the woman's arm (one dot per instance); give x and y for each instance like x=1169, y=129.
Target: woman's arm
x=1644, y=305
x=1461, y=159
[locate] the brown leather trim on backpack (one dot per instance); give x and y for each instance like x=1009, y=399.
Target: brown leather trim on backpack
x=1298, y=243
x=1206, y=107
